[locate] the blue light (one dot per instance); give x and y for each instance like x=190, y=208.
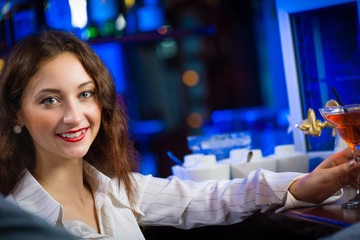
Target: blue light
x=252, y=115
x=24, y=23
x=150, y=18
x=111, y=54
x=282, y=118
x=58, y=15
x=102, y=11
x=220, y=116
x=147, y=127
x=131, y=23
x=151, y=2
x=148, y=164
x=216, y=116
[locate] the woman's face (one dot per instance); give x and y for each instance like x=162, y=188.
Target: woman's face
x=60, y=110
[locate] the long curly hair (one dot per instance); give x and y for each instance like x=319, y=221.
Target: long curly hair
x=112, y=151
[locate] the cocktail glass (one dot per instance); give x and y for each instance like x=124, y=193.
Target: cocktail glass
x=347, y=121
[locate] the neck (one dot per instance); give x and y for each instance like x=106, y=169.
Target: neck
x=64, y=182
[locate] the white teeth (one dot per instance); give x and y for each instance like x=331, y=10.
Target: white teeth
x=73, y=135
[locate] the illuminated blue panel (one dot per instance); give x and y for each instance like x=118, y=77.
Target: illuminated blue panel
x=150, y=18
x=7, y=28
x=327, y=53
x=58, y=15
x=151, y=2
x=131, y=23
x=147, y=127
x=101, y=11
x=111, y=55
x=24, y=23
x=266, y=126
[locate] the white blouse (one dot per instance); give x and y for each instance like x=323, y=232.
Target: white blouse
x=170, y=202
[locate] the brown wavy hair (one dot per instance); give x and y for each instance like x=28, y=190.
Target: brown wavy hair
x=112, y=151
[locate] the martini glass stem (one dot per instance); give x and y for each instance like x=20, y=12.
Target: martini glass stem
x=355, y=201
x=358, y=176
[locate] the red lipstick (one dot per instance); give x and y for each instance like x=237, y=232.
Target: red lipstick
x=73, y=139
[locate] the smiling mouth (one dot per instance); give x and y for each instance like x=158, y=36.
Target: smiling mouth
x=73, y=136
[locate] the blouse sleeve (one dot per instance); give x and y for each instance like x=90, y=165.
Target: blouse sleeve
x=187, y=204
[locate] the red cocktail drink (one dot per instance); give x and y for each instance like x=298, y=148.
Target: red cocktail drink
x=348, y=125
x=347, y=121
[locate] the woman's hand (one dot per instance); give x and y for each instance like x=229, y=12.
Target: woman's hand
x=335, y=172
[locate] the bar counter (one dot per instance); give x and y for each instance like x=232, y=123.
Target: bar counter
x=301, y=223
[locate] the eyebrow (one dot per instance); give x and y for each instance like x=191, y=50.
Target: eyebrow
x=54, y=90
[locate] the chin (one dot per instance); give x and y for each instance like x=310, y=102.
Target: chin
x=76, y=155
x=75, y=150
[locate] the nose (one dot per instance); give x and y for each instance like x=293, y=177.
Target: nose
x=72, y=113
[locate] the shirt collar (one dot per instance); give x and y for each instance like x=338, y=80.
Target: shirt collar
x=102, y=185
x=31, y=196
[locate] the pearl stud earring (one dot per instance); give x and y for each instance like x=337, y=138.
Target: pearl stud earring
x=17, y=129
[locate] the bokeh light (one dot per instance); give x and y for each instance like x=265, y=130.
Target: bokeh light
x=129, y=3
x=79, y=16
x=164, y=29
x=195, y=120
x=190, y=78
x=2, y=63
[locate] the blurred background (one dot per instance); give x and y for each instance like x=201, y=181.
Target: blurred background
x=182, y=67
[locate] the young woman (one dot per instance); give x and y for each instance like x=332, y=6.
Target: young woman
x=66, y=156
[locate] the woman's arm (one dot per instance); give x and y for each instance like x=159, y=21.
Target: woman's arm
x=188, y=204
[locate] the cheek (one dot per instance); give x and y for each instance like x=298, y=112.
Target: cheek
x=39, y=123
x=94, y=113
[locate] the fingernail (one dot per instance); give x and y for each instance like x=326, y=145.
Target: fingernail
x=352, y=163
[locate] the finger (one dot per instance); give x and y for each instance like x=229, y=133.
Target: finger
x=343, y=156
x=342, y=169
x=337, y=158
x=347, y=153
